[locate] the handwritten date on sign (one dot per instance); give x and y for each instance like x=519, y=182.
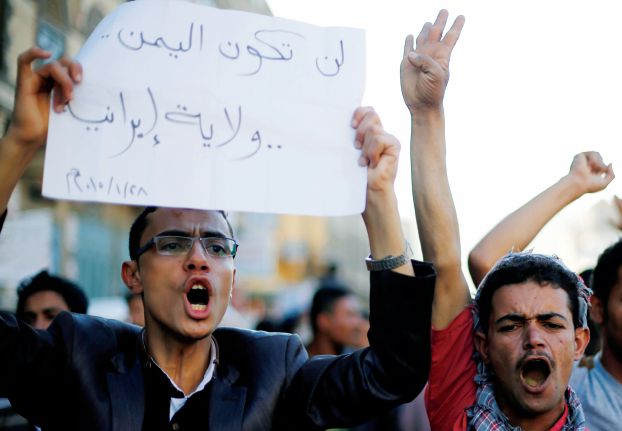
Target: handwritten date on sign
x=79, y=184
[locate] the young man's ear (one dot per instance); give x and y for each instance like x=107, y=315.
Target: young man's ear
x=581, y=340
x=597, y=313
x=481, y=345
x=131, y=276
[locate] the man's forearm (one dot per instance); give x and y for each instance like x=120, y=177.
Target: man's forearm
x=14, y=160
x=436, y=215
x=384, y=227
x=519, y=228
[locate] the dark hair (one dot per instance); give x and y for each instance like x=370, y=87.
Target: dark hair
x=141, y=222
x=323, y=301
x=515, y=268
x=72, y=294
x=605, y=274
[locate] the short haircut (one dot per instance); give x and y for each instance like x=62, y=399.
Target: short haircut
x=141, y=222
x=323, y=301
x=72, y=294
x=605, y=274
x=515, y=268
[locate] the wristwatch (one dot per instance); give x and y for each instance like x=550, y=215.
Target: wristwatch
x=389, y=262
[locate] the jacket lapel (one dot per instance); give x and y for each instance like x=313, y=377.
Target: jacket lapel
x=226, y=405
x=127, y=395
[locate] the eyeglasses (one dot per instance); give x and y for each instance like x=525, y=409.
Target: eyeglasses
x=181, y=245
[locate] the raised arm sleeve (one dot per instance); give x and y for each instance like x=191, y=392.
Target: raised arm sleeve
x=337, y=391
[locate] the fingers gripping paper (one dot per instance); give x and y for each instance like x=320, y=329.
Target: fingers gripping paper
x=188, y=106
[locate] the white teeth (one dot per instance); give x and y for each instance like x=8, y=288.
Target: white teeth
x=199, y=307
x=198, y=286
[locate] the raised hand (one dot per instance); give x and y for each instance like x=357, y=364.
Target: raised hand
x=425, y=70
x=380, y=150
x=29, y=124
x=590, y=173
x=32, y=95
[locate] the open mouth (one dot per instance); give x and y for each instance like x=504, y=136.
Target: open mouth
x=198, y=297
x=535, y=372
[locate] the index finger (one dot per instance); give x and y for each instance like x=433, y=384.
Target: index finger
x=408, y=44
x=595, y=160
x=436, y=31
x=25, y=59
x=74, y=68
x=451, y=37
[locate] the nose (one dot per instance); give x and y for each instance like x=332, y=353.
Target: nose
x=197, y=258
x=41, y=322
x=533, y=338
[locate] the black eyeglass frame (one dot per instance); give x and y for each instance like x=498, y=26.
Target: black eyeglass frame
x=151, y=243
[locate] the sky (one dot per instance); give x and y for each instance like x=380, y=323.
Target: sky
x=532, y=84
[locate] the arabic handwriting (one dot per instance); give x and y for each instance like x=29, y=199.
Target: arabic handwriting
x=230, y=45
x=155, y=112
x=264, y=49
x=255, y=53
x=123, y=107
x=108, y=118
x=338, y=63
x=255, y=138
x=272, y=45
x=135, y=123
x=111, y=186
x=136, y=41
x=234, y=130
x=215, y=130
x=183, y=117
x=278, y=53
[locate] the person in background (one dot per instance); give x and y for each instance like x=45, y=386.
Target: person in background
x=336, y=321
x=41, y=297
x=588, y=174
x=598, y=380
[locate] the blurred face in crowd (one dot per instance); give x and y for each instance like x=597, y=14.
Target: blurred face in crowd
x=42, y=307
x=185, y=296
x=530, y=346
x=343, y=323
x=610, y=320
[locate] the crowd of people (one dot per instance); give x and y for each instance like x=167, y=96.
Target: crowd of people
x=510, y=358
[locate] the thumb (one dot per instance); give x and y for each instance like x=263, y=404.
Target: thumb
x=610, y=175
x=425, y=63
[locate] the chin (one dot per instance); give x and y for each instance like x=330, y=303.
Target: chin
x=543, y=404
x=197, y=331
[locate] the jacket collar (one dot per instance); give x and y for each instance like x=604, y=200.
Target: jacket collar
x=127, y=389
x=226, y=405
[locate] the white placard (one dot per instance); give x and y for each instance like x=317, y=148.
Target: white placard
x=184, y=105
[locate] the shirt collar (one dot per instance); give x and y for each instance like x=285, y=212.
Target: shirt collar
x=149, y=361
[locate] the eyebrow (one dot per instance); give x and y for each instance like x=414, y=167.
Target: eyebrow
x=204, y=234
x=51, y=310
x=515, y=317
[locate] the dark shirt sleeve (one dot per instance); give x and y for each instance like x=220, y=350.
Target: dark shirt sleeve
x=30, y=365
x=340, y=391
